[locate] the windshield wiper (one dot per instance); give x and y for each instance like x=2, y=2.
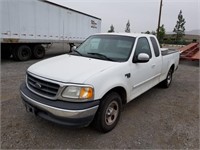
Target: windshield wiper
x=101, y=55
x=77, y=52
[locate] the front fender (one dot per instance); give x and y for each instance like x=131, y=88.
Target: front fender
x=106, y=80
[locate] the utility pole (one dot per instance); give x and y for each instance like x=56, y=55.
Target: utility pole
x=159, y=17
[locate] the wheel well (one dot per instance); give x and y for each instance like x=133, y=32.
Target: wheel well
x=172, y=67
x=122, y=93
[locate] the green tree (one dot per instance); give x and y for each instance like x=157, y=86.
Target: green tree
x=153, y=32
x=179, y=29
x=161, y=33
x=127, y=29
x=112, y=29
x=147, y=32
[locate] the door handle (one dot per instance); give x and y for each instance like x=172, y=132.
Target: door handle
x=128, y=75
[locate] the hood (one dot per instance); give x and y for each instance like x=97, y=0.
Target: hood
x=69, y=68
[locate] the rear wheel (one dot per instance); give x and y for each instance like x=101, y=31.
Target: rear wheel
x=38, y=51
x=108, y=113
x=166, y=83
x=22, y=53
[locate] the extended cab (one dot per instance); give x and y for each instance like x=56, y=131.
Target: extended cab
x=93, y=82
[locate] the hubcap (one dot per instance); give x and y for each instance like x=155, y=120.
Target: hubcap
x=25, y=53
x=39, y=52
x=111, y=113
x=169, y=77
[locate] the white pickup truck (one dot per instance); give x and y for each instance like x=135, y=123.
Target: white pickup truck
x=91, y=84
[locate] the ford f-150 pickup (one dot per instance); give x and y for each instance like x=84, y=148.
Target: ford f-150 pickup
x=90, y=84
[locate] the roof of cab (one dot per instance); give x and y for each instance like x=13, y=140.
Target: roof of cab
x=128, y=34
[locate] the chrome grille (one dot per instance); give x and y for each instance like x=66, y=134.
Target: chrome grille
x=42, y=87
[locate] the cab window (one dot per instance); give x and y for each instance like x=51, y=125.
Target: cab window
x=142, y=47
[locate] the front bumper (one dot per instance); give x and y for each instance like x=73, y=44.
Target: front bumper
x=61, y=112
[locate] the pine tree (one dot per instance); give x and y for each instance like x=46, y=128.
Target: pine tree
x=112, y=29
x=128, y=30
x=179, y=29
x=153, y=32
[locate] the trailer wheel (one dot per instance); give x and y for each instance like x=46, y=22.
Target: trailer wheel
x=71, y=45
x=38, y=51
x=22, y=53
x=108, y=113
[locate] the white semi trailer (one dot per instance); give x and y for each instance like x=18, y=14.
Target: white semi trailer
x=26, y=25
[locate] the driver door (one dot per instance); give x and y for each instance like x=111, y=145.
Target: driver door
x=141, y=72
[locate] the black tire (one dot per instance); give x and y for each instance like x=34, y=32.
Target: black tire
x=38, y=51
x=108, y=113
x=22, y=53
x=167, y=82
x=14, y=54
x=71, y=46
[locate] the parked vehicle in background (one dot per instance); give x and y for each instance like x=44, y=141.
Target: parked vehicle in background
x=28, y=25
x=95, y=80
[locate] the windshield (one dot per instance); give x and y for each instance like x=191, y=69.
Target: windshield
x=107, y=47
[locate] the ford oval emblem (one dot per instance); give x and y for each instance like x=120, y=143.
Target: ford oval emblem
x=38, y=85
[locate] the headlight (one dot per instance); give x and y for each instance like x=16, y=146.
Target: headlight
x=78, y=92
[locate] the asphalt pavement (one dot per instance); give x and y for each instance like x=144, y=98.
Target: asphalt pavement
x=158, y=119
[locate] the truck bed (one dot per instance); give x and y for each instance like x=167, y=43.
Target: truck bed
x=166, y=51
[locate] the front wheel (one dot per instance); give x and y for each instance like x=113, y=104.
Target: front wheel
x=108, y=113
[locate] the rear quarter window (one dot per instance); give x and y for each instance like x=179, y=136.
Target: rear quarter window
x=155, y=46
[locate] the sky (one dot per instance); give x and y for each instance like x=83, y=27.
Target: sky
x=142, y=14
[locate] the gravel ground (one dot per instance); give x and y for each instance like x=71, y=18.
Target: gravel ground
x=158, y=119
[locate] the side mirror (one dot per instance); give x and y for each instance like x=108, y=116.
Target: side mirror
x=142, y=58
x=74, y=48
